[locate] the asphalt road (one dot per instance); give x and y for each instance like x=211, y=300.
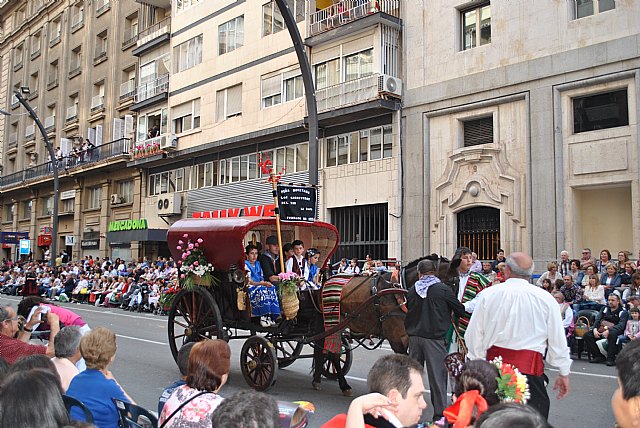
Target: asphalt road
x=144, y=366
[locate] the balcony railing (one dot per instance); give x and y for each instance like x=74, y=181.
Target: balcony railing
x=349, y=10
x=50, y=123
x=130, y=36
x=103, y=152
x=52, y=83
x=102, y=6
x=348, y=93
x=100, y=56
x=30, y=132
x=127, y=89
x=54, y=40
x=72, y=113
x=35, y=53
x=97, y=102
x=74, y=70
x=152, y=88
x=77, y=21
x=156, y=30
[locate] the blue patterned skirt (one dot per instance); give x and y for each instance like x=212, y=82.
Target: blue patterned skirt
x=264, y=301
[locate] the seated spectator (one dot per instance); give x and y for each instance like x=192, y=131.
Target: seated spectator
x=487, y=271
x=297, y=263
x=605, y=259
x=623, y=259
x=96, y=386
x=67, y=351
x=183, y=365
x=262, y=293
x=546, y=285
x=380, y=267
x=353, y=268
x=12, y=348
x=610, y=279
x=313, y=280
x=593, y=297
x=209, y=363
x=575, y=272
x=32, y=398
x=397, y=398
x=564, y=264
x=551, y=273
x=270, y=260
x=566, y=313
x=509, y=415
x=500, y=275
x=610, y=324
x=632, y=330
x=66, y=316
x=499, y=259
x=625, y=402
x=634, y=288
x=476, y=265
x=626, y=273
x=587, y=260
x=247, y=409
x=344, y=263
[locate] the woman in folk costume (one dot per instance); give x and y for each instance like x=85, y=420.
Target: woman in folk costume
x=466, y=285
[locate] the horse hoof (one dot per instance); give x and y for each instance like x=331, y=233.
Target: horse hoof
x=347, y=392
x=316, y=386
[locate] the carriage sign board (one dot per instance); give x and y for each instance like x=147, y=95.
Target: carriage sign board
x=297, y=203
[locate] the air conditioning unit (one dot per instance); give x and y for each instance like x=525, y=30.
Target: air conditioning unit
x=168, y=142
x=116, y=199
x=169, y=204
x=389, y=85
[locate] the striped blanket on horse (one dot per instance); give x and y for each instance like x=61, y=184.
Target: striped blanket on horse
x=331, y=294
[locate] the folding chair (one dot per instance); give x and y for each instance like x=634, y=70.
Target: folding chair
x=134, y=416
x=70, y=402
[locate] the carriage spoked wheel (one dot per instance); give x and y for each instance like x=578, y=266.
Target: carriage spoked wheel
x=194, y=316
x=258, y=363
x=346, y=358
x=287, y=351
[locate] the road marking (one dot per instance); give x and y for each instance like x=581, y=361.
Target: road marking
x=588, y=374
x=142, y=340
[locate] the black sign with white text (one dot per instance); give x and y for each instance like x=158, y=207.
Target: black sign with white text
x=297, y=203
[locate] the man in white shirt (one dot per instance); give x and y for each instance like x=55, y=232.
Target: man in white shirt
x=519, y=321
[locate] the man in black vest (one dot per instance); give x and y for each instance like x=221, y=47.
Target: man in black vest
x=270, y=260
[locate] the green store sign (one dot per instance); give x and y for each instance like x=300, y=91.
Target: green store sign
x=123, y=225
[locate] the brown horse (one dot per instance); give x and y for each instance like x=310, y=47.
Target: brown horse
x=409, y=273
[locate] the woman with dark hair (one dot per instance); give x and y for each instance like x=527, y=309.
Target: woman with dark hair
x=193, y=404
x=32, y=399
x=262, y=293
x=605, y=259
x=247, y=409
x=610, y=279
x=476, y=386
x=66, y=316
x=509, y=415
x=575, y=272
x=4, y=368
x=31, y=362
x=313, y=280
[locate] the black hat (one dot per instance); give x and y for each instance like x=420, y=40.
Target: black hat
x=272, y=240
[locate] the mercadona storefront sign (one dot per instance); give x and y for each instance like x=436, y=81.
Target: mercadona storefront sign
x=123, y=225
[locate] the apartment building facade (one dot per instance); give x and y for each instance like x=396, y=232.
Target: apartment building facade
x=235, y=96
x=73, y=62
x=522, y=127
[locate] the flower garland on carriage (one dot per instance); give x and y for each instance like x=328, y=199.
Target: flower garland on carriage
x=194, y=267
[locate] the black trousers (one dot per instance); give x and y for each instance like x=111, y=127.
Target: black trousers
x=539, y=399
x=592, y=348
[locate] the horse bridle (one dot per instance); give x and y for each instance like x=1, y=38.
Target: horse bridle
x=399, y=310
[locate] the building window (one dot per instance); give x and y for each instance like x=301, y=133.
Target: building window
x=272, y=21
x=584, y=8
x=229, y=102
x=182, y=5
x=67, y=205
x=46, y=205
x=477, y=131
x=125, y=190
x=102, y=41
x=18, y=56
x=231, y=35
x=26, y=209
x=360, y=146
x=188, y=54
x=8, y=213
x=476, y=26
x=94, y=200
x=152, y=124
x=293, y=87
x=327, y=73
x=186, y=116
x=358, y=65
x=363, y=230
x=55, y=30
x=35, y=44
x=52, y=78
x=281, y=87
x=600, y=111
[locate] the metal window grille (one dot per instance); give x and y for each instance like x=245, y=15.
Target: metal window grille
x=479, y=229
x=363, y=230
x=478, y=131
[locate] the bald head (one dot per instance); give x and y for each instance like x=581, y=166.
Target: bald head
x=519, y=265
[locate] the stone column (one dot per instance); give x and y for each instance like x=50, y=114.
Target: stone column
x=104, y=217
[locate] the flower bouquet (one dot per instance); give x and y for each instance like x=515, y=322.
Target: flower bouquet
x=167, y=298
x=194, y=269
x=288, y=290
x=512, y=385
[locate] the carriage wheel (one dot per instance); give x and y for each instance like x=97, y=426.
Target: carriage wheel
x=258, y=363
x=287, y=352
x=194, y=316
x=346, y=358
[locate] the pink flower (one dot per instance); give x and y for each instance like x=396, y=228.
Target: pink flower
x=196, y=245
x=184, y=256
x=200, y=241
x=190, y=246
x=186, y=235
x=182, y=276
x=195, y=263
x=178, y=247
x=180, y=242
x=188, y=253
x=190, y=266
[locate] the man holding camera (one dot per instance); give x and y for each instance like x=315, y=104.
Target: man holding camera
x=14, y=343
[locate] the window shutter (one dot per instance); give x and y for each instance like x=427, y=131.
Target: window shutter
x=181, y=110
x=478, y=131
x=271, y=86
x=220, y=102
x=234, y=100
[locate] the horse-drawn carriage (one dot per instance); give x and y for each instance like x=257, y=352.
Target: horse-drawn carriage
x=215, y=310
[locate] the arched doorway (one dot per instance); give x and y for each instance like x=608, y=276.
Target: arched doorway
x=479, y=229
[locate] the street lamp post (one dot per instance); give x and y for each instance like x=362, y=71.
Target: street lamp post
x=54, y=166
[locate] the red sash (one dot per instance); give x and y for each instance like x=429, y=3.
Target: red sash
x=527, y=361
